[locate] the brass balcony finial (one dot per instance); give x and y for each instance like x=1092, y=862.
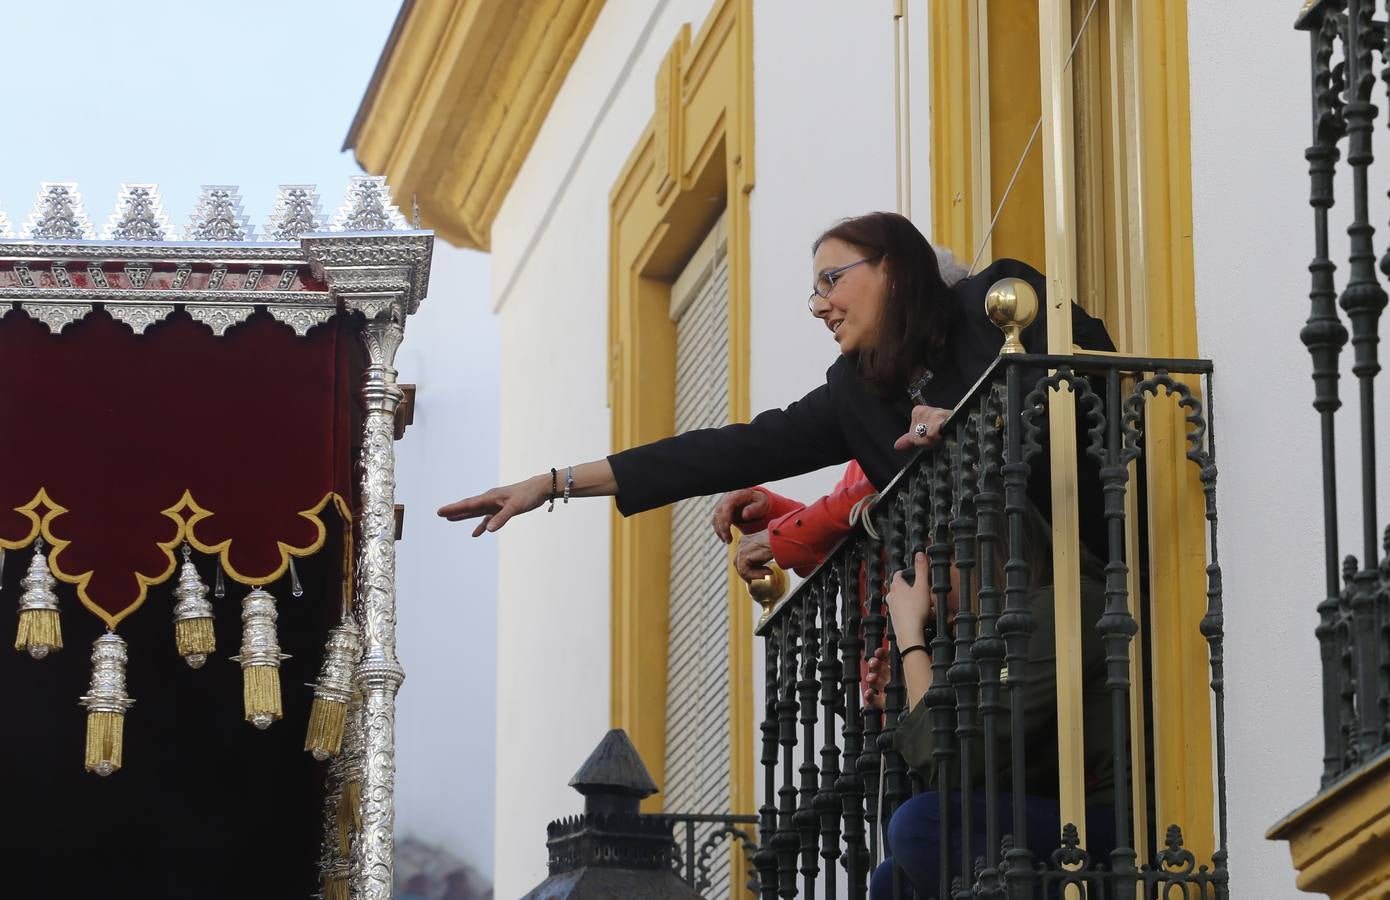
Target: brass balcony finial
x=1012, y=304
x=769, y=589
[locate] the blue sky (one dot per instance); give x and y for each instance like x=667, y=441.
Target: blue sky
x=252, y=93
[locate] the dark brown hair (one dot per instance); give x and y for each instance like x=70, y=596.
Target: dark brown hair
x=918, y=315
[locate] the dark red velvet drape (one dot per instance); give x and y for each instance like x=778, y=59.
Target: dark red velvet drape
x=238, y=443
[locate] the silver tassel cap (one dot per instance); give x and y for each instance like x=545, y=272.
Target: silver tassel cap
x=192, y=607
x=38, y=584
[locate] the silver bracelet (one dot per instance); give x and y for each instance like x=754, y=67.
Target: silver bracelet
x=569, y=483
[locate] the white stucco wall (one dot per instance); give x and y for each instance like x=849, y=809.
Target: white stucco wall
x=550, y=276
x=824, y=151
x=447, y=584
x=1253, y=238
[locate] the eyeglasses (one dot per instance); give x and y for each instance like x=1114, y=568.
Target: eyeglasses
x=831, y=277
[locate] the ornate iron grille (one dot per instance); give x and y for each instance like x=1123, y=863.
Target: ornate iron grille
x=693, y=859
x=825, y=754
x=1353, y=615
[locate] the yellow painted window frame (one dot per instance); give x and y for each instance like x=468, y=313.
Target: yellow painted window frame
x=1145, y=265
x=696, y=152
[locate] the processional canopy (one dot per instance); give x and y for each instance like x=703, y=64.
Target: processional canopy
x=172, y=398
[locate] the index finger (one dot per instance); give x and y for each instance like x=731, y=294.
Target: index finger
x=469, y=507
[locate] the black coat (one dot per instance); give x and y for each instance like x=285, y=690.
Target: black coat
x=842, y=419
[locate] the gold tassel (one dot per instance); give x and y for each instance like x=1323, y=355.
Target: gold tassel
x=105, y=737
x=40, y=631
x=260, y=659
x=349, y=815
x=335, y=887
x=260, y=694
x=194, y=638
x=326, y=722
x=332, y=691
x=106, y=703
x=193, y=633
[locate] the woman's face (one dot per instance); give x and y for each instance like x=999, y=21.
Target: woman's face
x=852, y=310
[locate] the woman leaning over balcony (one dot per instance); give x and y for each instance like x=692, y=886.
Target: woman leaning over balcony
x=902, y=334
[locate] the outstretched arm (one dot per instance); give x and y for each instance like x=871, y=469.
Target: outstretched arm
x=591, y=479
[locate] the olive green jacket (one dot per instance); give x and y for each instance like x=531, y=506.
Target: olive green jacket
x=915, y=741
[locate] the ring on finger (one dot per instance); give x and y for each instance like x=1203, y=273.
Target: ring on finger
x=922, y=429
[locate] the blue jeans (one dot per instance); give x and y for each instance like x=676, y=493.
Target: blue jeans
x=914, y=838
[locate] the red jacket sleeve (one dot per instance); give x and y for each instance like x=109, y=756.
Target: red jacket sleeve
x=800, y=539
x=777, y=506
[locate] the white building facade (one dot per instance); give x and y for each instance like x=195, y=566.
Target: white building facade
x=807, y=136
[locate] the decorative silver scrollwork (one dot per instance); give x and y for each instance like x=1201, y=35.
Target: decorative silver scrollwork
x=58, y=214
x=219, y=216
x=5, y=230
x=297, y=212
x=57, y=316
x=220, y=318
x=139, y=215
x=301, y=318
x=379, y=675
x=138, y=275
x=368, y=207
x=140, y=316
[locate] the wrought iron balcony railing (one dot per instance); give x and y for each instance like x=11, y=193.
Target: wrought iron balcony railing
x=1353, y=614
x=832, y=775
x=695, y=853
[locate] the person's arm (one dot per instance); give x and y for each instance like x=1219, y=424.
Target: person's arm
x=909, y=606
x=801, y=538
x=777, y=444
x=591, y=479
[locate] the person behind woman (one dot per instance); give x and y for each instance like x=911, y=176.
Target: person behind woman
x=914, y=831
x=902, y=333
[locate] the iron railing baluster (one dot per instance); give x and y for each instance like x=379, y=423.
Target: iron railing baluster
x=785, y=841
x=1324, y=335
x=964, y=673
x=940, y=698
x=875, y=624
x=989, y=648
x=827, y=804
x=1016, y=626
x=851, y=783
x=808, y=689
x=1363, y=299
x=766, y=858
